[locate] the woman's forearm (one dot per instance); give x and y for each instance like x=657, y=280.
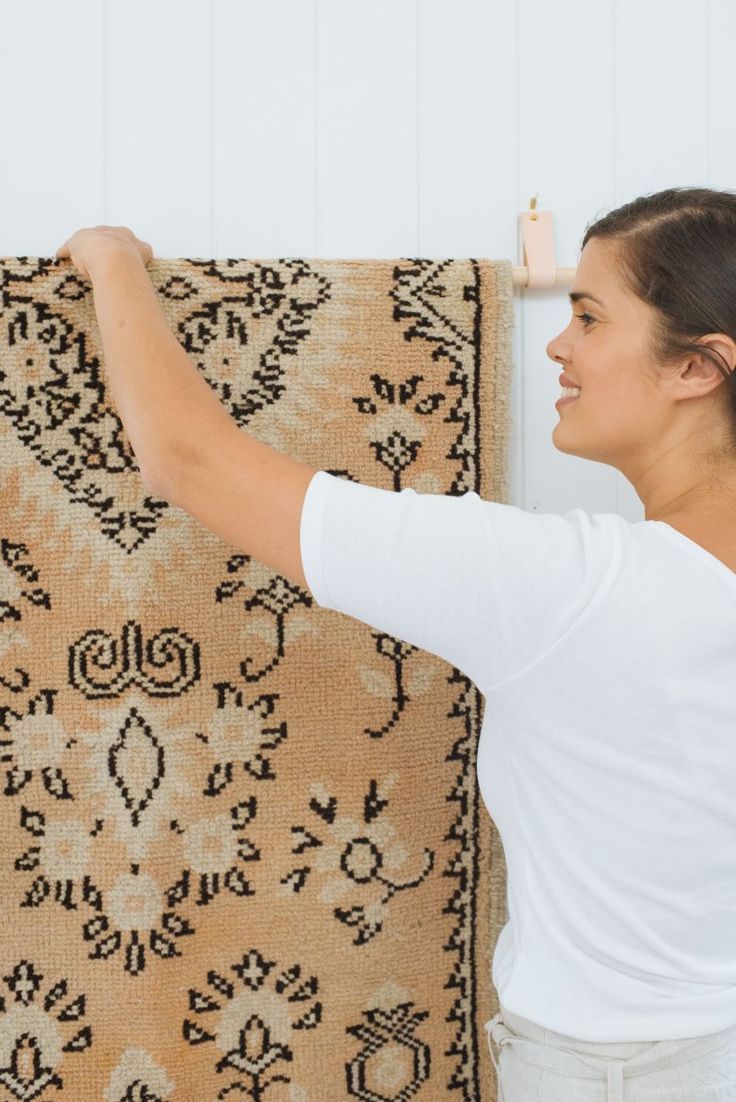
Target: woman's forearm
x=167, y=408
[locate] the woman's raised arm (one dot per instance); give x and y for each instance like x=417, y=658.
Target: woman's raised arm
x=189, y=449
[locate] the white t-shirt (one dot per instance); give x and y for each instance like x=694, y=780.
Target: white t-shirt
x=606, y=654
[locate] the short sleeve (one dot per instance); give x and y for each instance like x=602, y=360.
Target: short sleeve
x=487, y=587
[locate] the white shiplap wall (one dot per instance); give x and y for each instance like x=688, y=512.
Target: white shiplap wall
x=367, y=128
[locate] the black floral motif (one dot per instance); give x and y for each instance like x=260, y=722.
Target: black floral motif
x=36, y=743
x=29, y=1033
x=236, y=736
x=390, y=1054
x=253, y=1027
x=270, y=593
x=360, y=855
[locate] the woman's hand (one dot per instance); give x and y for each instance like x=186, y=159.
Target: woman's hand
x=86, y=245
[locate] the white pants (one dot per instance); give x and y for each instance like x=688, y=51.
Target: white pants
x=538, y=1065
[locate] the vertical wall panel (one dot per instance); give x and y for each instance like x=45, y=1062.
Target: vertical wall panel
x=157, y=90
x=366, y=128
x=566, y=155
x=467, y=128
x=51, y=123
x=264, y=128
x=661, y=95
x=718, y=122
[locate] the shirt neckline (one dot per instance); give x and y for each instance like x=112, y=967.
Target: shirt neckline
x=715, y=562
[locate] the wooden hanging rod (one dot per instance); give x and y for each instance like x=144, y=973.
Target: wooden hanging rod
x=563, y=276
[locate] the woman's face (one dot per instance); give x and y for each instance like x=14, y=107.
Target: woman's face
x=654, y=426
x=603, y=350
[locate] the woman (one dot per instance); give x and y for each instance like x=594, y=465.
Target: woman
x=605, y=649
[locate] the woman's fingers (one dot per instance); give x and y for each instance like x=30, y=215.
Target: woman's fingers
x=88, y=241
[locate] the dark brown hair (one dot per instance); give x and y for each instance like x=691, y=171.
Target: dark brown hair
x=676, y=250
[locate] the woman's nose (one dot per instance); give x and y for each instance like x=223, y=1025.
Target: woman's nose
x=554, y=349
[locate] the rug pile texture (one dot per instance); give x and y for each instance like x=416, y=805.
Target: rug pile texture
x=243, y=849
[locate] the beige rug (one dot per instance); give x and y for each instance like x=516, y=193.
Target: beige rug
x=244, y=854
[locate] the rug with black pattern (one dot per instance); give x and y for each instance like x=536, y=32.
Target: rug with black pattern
x=243, y=849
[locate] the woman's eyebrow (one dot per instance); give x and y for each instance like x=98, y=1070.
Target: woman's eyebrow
x=575, y=295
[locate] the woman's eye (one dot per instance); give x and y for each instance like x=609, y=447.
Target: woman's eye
x=586, y=316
